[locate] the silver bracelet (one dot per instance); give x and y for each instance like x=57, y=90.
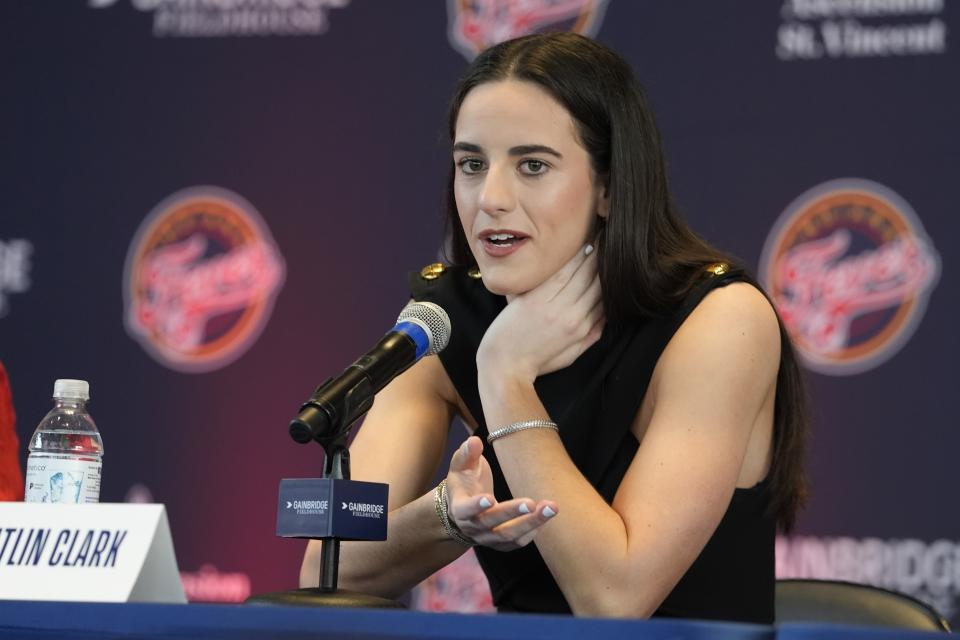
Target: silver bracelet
x=440, y=503
x=520, y=426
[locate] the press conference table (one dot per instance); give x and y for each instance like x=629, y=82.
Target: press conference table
x=71, y=620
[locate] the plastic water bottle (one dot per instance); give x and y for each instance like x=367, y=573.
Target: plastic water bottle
x=66, y=450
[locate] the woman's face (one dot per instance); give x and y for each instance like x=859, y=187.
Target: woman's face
x=526, y=193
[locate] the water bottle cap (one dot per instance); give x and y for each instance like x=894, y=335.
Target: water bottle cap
x=71, y=389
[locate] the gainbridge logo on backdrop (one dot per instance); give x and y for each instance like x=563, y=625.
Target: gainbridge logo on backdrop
x=201, y=276
x=850, y=268
x=929, y=571
x=233, y=18
x=474, y=25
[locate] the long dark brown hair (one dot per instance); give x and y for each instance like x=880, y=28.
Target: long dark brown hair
x=648, y=257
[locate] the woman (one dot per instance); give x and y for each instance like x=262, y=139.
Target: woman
x=634, y=402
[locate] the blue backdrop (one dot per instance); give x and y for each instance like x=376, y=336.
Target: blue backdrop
x=313, y=132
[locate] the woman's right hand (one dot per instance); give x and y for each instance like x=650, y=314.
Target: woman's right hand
x=503, y=526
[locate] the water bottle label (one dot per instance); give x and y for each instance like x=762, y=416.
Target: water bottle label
x=64, y=479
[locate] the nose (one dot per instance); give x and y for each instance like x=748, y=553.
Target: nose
x=497, y=195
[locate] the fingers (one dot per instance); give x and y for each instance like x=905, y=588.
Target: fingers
x=558, y=282
x=469, y=487
x=518, y=531
x=582, y=279
x=467, y=457
x=595, y=315
x=472, y=508
x=596, y=329
x=588, y=298
x=475, y=511
x=510, y=524
x=583, y=319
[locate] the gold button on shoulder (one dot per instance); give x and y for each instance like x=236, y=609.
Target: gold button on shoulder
x=433, y=271
x=474, y=273
x=717, y=268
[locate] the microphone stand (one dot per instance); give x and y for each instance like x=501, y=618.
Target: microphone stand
x=327, y=594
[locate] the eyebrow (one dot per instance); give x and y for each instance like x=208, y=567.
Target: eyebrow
x=520, y=150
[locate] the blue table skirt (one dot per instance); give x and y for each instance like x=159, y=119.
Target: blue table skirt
x=75, y=621
x=85, y=620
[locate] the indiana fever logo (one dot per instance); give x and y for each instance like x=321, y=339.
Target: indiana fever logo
x=200, y=279
x=475, y=25
x=850, y=269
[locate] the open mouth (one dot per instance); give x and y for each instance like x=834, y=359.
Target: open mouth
x=502, y=239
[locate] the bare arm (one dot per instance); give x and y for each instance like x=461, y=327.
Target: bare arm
x=401, y=443
x=711, y=403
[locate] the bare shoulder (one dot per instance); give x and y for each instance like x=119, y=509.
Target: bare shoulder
x=732, y=333
x=740, y=306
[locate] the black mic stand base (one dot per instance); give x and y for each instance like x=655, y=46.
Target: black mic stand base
x=317, y=597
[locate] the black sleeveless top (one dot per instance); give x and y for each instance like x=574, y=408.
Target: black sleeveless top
x=594, y=401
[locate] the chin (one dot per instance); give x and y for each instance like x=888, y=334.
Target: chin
x=500, y=289
x=505, y=284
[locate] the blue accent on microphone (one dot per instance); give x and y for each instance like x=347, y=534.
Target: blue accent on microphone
x=416, y=333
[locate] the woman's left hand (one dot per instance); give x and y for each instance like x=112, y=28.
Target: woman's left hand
x=548, y=327
x=474, y=510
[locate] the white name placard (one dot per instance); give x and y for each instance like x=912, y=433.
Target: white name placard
x=87, y=552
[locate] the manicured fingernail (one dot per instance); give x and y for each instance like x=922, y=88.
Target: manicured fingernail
x=588, y=250
x=465, y=448
x=548, y=512
x=524, y=508
x=485, y=503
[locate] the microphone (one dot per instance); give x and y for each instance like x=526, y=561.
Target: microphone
x=423, y=328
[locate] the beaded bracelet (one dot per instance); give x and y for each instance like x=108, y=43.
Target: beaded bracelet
x=520, y=426
x=440, y=503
